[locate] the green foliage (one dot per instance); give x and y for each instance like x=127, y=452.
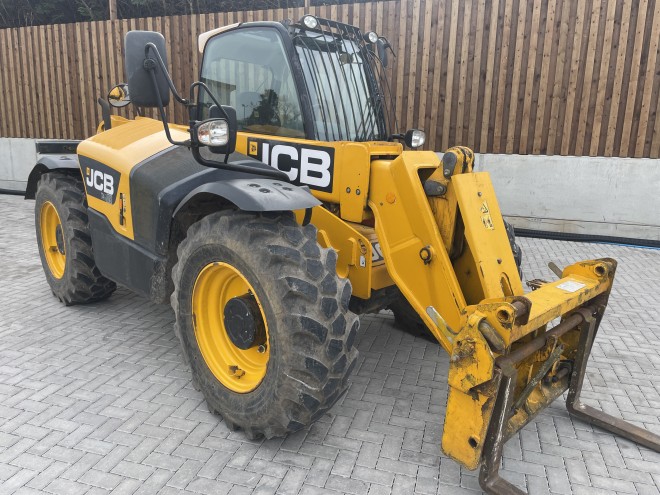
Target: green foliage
x=16, y=13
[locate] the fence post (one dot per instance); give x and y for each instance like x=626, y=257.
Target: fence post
x=112, y=6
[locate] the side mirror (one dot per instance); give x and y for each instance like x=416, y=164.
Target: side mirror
x=138, y=56
x=381, y=48
x=230, y=112
x=118, y=96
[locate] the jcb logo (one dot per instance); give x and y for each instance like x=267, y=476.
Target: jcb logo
x=306, y=165
x=101, y=181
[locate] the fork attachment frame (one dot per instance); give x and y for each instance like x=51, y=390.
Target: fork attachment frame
x=586, y=320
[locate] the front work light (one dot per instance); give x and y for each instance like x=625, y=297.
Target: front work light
x=310, y=22
x=213, y=132
x=414, y=138
x=371, y=37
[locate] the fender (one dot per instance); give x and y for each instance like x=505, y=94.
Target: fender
x=162, y=187
x=255, y=194
x=50, y=163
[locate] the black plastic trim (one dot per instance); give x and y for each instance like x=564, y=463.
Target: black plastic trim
x=57, y=147
x=123, y=260
x=164, y=183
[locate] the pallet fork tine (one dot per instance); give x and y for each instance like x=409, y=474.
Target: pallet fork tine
x=489, y=478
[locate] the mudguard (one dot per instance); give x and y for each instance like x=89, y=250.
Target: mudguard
x=49, y=163
x=256, y=194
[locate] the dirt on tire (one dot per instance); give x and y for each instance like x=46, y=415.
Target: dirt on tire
x=311, y=330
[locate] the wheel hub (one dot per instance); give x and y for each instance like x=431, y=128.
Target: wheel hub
x=243, y=322
x=59, y=239
x=230, y=327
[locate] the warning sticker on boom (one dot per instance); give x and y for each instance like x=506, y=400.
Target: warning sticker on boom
x=570, y=286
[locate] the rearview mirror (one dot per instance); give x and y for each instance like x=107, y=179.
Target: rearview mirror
x=118, y=96
x=139, y=57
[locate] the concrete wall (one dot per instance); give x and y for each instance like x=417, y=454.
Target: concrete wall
x=579, y=195
x=17, y=157
x=617, y=197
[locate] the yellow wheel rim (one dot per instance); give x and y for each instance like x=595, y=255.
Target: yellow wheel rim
x=52, y=239
x=237, y=369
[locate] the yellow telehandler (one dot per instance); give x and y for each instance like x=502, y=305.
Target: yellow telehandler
x=284, y=208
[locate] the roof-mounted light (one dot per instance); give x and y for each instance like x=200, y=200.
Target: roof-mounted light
x=415, y=138
x=310, y=22
x=371, y=37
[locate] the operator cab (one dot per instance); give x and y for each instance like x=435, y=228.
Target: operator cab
x=316, y=79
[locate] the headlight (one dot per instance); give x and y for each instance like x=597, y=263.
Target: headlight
x=213, y=132
x=415, y=138
x=371, y=37
x=310, y=22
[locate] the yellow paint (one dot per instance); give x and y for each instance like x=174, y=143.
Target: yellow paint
x=239, y=370
x=49, y=221
x=489, y=244
x=115, y=120
x=465, y=427
x=122, y=148
x=354, y=250
x=472, y=391
x=449, y=255
x=404, y=227
x=351, y=168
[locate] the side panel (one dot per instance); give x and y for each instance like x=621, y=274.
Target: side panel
x=335, y=172
x=162, y=184
x=125, y=261
x=106, y=161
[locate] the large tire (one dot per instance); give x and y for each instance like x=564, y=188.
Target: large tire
x=68, y=259
x=310, y=331
x=407, y=319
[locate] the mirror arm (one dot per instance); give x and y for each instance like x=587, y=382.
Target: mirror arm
x=105, y=113
x=202, y=86
x=161, y=110
x=149, y=65
x=237, y=167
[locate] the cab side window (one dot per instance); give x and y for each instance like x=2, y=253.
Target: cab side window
x=249, y=70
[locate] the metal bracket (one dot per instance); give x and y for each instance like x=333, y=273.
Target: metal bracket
x=591, y=415
x=489, y=478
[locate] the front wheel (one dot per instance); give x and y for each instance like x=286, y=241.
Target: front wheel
x=64, y=241
x=263, y=320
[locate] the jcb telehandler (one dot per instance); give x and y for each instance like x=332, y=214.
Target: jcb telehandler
x=286, y=207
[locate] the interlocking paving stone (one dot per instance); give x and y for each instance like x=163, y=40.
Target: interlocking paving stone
x=97, y=398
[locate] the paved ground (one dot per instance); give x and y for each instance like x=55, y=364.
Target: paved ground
x=96, y=399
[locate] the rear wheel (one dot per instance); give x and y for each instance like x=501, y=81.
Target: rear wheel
x=263, y=320
x=65, y=246
x=407, y=319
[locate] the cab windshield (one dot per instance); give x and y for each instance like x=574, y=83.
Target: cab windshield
x=342, y=78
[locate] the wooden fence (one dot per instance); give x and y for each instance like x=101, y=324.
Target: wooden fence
x=569, y=77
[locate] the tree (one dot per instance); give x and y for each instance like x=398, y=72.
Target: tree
x=17, y=13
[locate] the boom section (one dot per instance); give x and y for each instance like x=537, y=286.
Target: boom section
x=445, y=245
